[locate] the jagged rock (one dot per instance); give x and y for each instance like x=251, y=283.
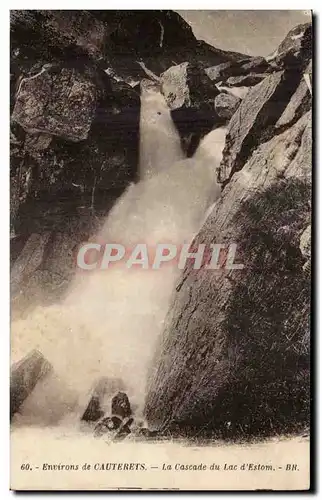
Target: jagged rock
x=190, y=95
x=120, y=405
x=237, y=69
x=104, y=35
x=245, y=80
x=255, y=119
x=226, y=105
x=52, y=175
x=233, y=337
x=219, y=72
x=147, y=433
x=186, y=86
x=107, y=424
x=295, y=51
x=300, y=102
x=100, y=400
x=24, y=375
x=115, y=427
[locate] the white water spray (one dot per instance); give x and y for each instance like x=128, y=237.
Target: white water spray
x=110, y=322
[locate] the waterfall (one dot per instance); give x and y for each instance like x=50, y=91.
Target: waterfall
x=111, y=320
x=159, y=140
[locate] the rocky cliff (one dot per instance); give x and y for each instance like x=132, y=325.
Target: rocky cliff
x=234, y=357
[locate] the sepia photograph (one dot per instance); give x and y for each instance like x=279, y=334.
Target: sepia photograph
x=160, y=249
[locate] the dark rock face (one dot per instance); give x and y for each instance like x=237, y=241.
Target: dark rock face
x=190, y=95
x=121, y=405
x=24, y=377
x=100, y=399
x=58, y=31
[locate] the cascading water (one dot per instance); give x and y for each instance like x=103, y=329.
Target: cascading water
x=111, y=319
x=160, y=144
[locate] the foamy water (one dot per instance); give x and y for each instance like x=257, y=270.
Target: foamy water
x=111, y=320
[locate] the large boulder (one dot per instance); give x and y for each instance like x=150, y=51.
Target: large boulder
x=234, y=357
x=100, y=399
x=57, y=101
x=190, y=94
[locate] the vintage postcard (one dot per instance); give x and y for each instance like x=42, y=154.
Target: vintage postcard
x=160, y=171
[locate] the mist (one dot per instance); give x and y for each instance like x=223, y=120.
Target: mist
x=111, y=319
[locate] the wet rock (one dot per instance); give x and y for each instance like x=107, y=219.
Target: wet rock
x=115, y=428
x=107, y=425
x=120, y=405
x=100, y=400
x=226, y=105
x=305, y=242
x=124, y=430
x=255, y=119
x=190, y=95
x=24, y=376
x=147, y=433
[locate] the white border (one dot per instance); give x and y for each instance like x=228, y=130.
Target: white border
x=4, y=178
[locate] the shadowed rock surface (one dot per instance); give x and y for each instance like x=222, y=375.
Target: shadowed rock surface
x=24, y=377
x=190, y=94
x=255, y=119
x=100, y=400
